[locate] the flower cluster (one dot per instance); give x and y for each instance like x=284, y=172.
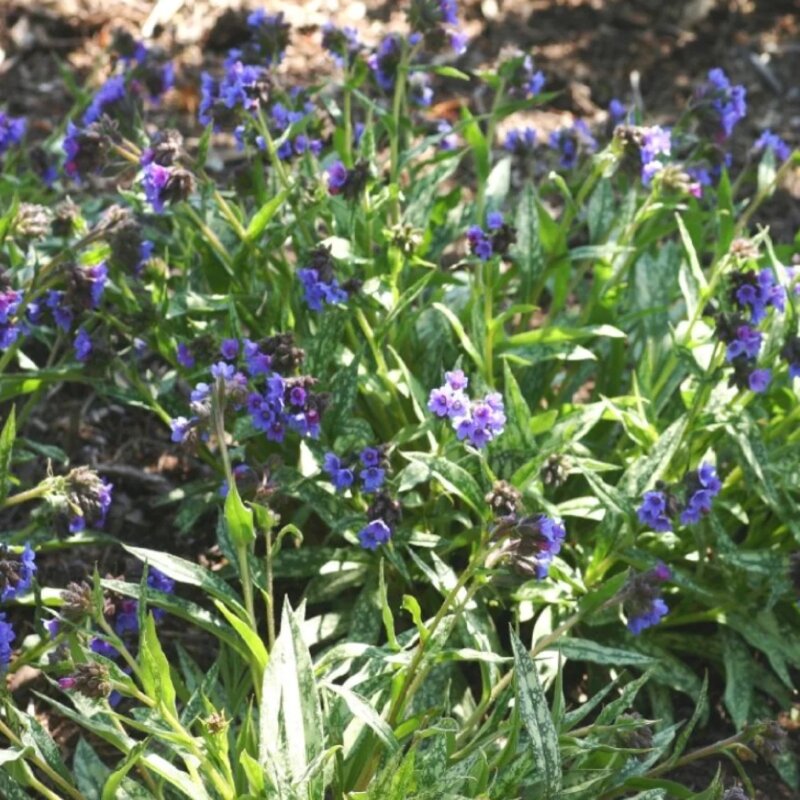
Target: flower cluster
x=383, y=516
x=659, y=507
x=16, y=572
x=532, y=543
x=349, y=183
x=320, y=285
x=495, y=240
x=110, y=95
x=656, y=141
x=436, y=23
x=769, y=141
x=727, y=102
x=385, y=61
x=12, y=129
x=88, y=498
x=166, y=185
x=522, y=78
x=241, y=90
x=342, y=472
x=520, y=141
x=477, y=421
x=270, y=35
x=642, y=600
x=85, y=150
x=10, y=326
x=571, y=142
x=341, y=43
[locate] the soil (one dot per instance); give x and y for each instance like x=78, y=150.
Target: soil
x=590, y=51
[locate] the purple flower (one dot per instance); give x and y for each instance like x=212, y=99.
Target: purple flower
x=653, y=512
x=385, y=61
x=372, y=478
x=759, y=380
x=479, y=242
x=229, y=349
x=341, y=43
x=257, y=363
x=370, y=457
x=520, y=141
x=747, y=343
x=102, y=648
x=97, y=277
x=728, y=102
x=479, y=422
x=82, y=345
x=656, y=141
x=337, y=177
x=180, y=427
x=570, y=142
x=374, y=534
x=12, y=129
x=341, y=477
x=7, y=636
x=616, y=111
x=10, y=329
x=155, y=183
x=757, y=292
x=318, y=292
x=111, y=92
x=771, y=141
x=456, y=379
x=420, y=92
x=17, y=572
x=642, y=601
x=184, y=356
x=159, y=581
x=271, y=33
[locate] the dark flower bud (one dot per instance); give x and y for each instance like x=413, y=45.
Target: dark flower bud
x=65, y=219
x=504, y=499
x=770, y=740
x=89, y=498
x=641, y=598
x=77, y=599
x=554, y=471
x=286, y=357
x=179, y=186
x=124, y=43
x=502, y=239
x=89, y=679
x=531, y=544
x=639, y=736
x=32, y=221
x=86, y=149
x=166, y=147
x=386, y=508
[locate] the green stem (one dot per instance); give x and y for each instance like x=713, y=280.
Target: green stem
x=31, y=494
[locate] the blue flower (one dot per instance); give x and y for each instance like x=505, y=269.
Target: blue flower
x=570, y=142
x=385, y=61
x=82, y=345
x=156, y=180
x=341, y=43
x=229, y=349
x=653, y=512
x=184, y=356
x=616, y=111
x=656, y=141
x=747, y=343
x=337, y=177
x=728, y=101
x=374, y=534
x=10, y=329
x=341, y=477
x=520, y=141
x=480, y=244
x=12, y=129
x=642, y=601
x=771, y=141
x=17, y=573
x=759, y=380
x=180, y=427
x=112, y=91
x=7, y=636
x=318, y=292
x=372, y=478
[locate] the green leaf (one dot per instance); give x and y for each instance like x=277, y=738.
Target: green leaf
x=183, y=571
x=113, y=786
x=290, y=717
x=738, y=697
x=458, y=329
x=362, y=711
x=700, y=709
x=474, y=137
x=535, y=714
x=154, y=666
x=238, y=518
x=6, y=447
x=527, y=251
x=251, y=639
x=90, y=772
x=453, y=478
x=262, y=217
x=596, y=653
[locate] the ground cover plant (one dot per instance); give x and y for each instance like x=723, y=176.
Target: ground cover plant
x=495, y=435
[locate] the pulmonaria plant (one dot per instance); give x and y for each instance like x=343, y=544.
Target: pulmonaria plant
x=529, y=543
x=342, y=472
x=722, y=101
x=477, y=421
x=659, y=508
x=320, y=285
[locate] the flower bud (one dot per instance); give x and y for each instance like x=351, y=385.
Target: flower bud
x=90, y=679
